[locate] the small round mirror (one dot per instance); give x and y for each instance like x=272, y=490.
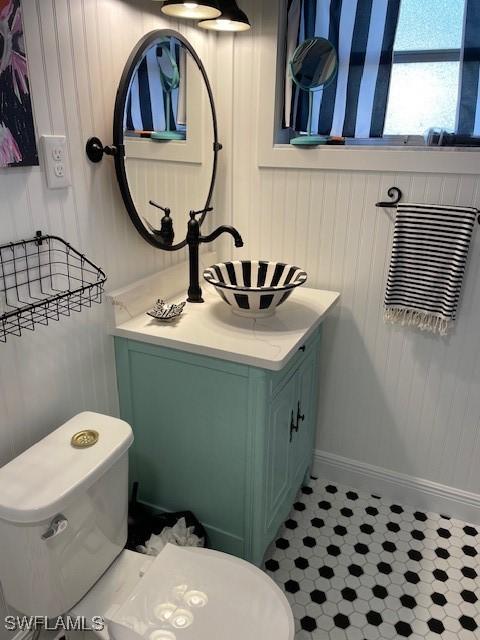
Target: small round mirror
x=166, y=54
x=314, y=64
x=168, y=67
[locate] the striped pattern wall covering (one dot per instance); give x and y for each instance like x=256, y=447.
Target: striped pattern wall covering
x=255, y=285
x=146, y=102
x=354, y=104
x=429, y=257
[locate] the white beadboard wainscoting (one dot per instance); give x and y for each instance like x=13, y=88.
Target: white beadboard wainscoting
x=77, y=50
x=389, y=397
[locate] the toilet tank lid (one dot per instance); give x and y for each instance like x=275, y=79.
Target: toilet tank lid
x=40, y=482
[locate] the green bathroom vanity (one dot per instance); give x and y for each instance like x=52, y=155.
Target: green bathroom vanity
x=224, y=412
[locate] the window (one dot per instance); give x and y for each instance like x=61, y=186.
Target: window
x=426, y=67
x=405, y=68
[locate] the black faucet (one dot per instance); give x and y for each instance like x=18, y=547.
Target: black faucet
x=165, y=234
x=194, y=240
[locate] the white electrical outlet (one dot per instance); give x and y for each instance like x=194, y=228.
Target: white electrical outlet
x=59, y=170
x=57, y=153
x=55, y=161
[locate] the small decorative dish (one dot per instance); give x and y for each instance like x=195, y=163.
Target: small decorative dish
x=166, y=312
x=255, y=288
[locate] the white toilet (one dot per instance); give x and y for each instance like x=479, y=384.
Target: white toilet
x=63, y=526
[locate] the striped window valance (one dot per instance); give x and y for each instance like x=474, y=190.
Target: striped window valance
x=469, y=102
x=146, y=101
x=354, y=104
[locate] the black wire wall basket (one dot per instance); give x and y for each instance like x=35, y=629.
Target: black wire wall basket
x=43, y=279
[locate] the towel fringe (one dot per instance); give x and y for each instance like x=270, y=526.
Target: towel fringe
x=422, y=320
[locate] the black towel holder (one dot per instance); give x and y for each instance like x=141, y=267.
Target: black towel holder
x=395, y=194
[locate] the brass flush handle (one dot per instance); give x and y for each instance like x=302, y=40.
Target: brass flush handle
x=84, y=439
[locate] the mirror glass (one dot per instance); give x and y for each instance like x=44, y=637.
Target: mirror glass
x=166, y=123
x=314, y=64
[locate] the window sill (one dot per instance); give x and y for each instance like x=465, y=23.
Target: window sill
x=187, y=151
x=372, y=158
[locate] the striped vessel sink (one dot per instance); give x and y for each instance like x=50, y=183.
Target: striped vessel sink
x=254, y=288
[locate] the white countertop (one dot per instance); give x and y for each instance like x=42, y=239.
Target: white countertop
x=211, y=329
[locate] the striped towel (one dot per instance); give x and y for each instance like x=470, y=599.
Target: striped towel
x=429, y=256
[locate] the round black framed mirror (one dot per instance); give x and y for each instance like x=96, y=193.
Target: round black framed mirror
x=165, y=138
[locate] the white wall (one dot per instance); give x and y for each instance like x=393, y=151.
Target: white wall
x=388, y=397
x=76, y=51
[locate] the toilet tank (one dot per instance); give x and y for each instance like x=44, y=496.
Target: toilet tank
x=63, y=514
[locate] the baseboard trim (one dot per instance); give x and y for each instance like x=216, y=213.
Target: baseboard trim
x=408, y=490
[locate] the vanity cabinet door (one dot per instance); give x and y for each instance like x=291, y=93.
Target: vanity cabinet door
x=189, y=420
x=305, y=419
x=278, y=441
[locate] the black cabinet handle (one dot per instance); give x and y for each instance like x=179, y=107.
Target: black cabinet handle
x=300, y=416
x=293, y=427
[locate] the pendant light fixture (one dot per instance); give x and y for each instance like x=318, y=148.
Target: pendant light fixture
x=198, y=10
x=232, y=18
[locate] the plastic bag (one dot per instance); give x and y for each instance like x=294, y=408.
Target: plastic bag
x=179, y=534
x=143, y=525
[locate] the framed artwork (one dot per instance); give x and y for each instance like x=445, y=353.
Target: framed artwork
x=18, y=146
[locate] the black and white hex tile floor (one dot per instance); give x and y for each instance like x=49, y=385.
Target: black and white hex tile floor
x=355, y=567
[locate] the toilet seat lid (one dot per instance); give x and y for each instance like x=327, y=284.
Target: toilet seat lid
x=199, y=594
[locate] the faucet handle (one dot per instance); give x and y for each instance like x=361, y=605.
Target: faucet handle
x=166, y=210
x=202, y=211
x=166, y=231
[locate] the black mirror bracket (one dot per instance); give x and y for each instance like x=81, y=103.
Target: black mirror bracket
x=95, y=150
